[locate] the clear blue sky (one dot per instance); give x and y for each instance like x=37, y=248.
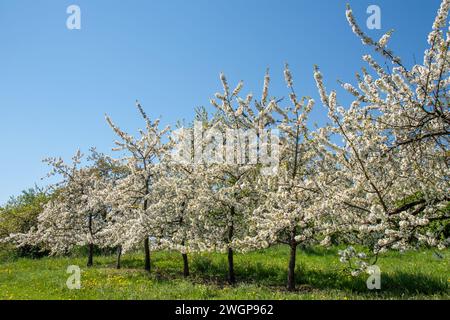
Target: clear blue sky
x=56, y=84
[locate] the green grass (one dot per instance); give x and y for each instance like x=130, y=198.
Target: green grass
x=261, y=275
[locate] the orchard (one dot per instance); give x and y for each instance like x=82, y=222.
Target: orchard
x=255, y=172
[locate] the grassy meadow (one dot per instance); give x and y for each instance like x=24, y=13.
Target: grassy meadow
x=261, y=275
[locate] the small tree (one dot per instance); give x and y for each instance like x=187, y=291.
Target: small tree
x=289, y=210
x=75, y=215
x=231, y=164
x=175, y=190
x=131, y=195
x=394, y=160
x=111, y=171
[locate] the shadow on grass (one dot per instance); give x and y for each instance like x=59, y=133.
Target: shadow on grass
x=131, y=263
x=205, y=269
x=413, y=283
x=398, y=283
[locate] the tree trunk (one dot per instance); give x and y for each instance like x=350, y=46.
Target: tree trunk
x=91, y=255
x=185, y=265
x=147, y=266
x=119, y=255
x=231, y=275
x=147, y=254
x=90, y=245
x=291, y=271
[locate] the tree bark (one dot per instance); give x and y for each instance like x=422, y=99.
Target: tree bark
x=119, y=255
x=147, y=254
x=90, y=262
x=147, y=265
x=90, y=245
x=231, y=275
x=291, y=270
x=185, y=265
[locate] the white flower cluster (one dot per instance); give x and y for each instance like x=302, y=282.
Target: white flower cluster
x=357, y=261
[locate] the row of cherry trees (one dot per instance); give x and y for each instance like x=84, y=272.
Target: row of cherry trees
x=376, y=174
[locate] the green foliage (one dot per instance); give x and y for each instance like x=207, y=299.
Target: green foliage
x=261, y=275
x=19, y=215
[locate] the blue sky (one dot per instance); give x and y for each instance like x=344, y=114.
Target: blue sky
x=56, y=84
